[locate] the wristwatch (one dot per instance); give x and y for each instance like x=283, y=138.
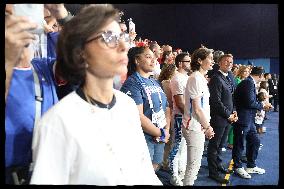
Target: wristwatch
x=62, y=21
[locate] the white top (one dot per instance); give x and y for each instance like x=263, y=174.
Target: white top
x=196, y=87
x=157, y=70
x=78, y=143
x=265, y=94
x=259, y=117
x=177, y=85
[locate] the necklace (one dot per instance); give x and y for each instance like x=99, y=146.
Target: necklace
x=96, y=103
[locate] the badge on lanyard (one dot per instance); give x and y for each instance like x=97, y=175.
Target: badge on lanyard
x=159, y=118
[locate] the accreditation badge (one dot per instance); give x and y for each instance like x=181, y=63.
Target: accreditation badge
x=159, y=118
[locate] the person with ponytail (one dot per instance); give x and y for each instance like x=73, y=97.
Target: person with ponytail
x=150, y=99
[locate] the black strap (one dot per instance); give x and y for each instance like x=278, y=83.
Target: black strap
x=62, y=21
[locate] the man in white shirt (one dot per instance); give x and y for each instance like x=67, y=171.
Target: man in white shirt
x=177, y=157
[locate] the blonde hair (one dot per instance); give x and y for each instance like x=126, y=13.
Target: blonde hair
x=241, y=71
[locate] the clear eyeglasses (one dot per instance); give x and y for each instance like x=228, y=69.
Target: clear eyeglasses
x=111, y=38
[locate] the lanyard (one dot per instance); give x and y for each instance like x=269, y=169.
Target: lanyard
x=148, y=92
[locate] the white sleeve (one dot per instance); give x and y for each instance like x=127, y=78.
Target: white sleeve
x=194, y=87
x=53, y=152
x=146, y=170
x=176, y=87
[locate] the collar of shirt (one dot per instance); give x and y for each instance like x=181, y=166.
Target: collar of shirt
x=255, y=85
x=225, y=74
x=253, y=81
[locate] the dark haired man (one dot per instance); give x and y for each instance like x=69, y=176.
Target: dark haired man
x=177, y=156
x=244, y=129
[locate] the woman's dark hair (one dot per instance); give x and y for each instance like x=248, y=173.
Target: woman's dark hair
x=201, y=53
x=167, y=72
x=261, y=96
x=263, y=85
x=132, y=55
x=71, y=41
x=165, y=54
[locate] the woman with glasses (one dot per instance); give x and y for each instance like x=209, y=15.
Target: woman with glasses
x=93, y=135
x=151, y=101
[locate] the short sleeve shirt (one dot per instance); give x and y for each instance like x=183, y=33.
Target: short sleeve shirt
x=133, y=88
x=196, y=87
x=177, y=85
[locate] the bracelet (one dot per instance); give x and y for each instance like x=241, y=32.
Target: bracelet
x=62, y=21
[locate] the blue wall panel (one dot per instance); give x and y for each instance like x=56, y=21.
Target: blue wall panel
x=265, y=62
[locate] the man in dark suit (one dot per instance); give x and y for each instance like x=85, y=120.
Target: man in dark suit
x=244, y=129
x=273, y=90
x=221, y=112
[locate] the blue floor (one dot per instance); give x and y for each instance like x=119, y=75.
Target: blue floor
x=268, y=159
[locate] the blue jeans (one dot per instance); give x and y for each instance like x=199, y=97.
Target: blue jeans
x=156, y=150
x=177, y=140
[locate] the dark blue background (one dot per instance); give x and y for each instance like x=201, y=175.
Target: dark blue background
x=245, y=30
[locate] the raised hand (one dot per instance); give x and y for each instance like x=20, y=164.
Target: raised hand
x=57, y=10
x=17, y=37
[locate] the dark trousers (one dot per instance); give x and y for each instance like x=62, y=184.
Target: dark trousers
x=213, y=154
x=223, y=143
x=17, y=175
x=275, y=102
x=242, y=133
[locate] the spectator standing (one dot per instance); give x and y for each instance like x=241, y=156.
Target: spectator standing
x=167, y=58
x=155, y=47
x=151, y=101
x=243, y=72
x=92, y=130
x=222, y=115
x=165, y=79
x=244, y=129
x=273, y=90
x=177, y=156
x=197, y=112
x=260, y=114
x=29, y=92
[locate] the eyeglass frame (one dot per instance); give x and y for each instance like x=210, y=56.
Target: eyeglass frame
x=112, y=35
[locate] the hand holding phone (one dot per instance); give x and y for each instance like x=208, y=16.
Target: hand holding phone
x=34, y=12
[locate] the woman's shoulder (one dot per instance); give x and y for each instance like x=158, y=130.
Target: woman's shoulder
x=66, y=104
x=131, y=80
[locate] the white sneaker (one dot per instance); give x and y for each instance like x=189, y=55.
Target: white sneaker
x=256, y=170
x=242, y=173
x=181, y=174
x=176, y=181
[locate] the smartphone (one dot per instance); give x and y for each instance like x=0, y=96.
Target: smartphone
x=131, y=26
x=35, y=12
